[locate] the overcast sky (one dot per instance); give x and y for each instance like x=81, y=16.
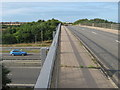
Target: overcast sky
x=64, y=11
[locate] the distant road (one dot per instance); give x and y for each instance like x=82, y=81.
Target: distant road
x=30, y=56
x=33, y=53
x=103, y=44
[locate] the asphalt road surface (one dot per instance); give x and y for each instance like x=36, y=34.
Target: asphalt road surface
x=24, y=69
x=24, y=75
x=22, y=63
x=33, y=53
x=23, y=72
x=30, y=56
x=103, y=44
x=74, y=55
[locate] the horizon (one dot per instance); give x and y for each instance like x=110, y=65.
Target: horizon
x=59, y=20
x=63, y=11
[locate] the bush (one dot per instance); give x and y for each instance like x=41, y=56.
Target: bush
x=30, y=32
x=5, y=79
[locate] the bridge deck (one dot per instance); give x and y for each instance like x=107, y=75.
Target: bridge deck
x=76, y=69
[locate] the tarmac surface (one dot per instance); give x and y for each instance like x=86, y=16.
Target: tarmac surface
x=30, y=56
x=104, y=45
x=23, y=72
x=77, y=68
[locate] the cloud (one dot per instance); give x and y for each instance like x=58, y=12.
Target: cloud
x=64, y=11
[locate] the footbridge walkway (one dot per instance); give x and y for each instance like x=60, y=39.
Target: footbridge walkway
x=69, y=65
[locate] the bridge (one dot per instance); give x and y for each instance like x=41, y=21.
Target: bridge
x=80, y=57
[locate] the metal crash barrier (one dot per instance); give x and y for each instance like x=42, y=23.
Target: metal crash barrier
x=45, y=78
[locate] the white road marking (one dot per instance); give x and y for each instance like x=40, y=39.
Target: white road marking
x=117, y=41
x=20, y=62
x=25, y=67
x=113, y=83
x=94, y=32
x=10, y=74
x=20, y=84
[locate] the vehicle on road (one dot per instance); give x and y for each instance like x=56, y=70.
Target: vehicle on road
x=17, y=52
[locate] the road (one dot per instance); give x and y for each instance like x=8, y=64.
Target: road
x=24, y=75
x=23, y=72
x=75, y=61
x=103, y=44
x=30, y=56
x=33, y=53
x=22, y=63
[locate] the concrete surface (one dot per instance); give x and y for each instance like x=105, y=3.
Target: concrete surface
x=73, y=57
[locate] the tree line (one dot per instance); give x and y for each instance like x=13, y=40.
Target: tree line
x=29, y=32
x=96, y=20
x=38, y=31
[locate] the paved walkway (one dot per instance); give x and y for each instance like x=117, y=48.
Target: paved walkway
x=77, y=69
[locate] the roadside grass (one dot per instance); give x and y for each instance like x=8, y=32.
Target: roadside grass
x=38, y=44
x=81, y=66
x=91, y=66
x=32, y=51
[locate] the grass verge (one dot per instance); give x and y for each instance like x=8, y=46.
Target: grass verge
x=38, y=44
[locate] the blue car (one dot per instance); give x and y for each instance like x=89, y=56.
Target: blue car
x=17, y=52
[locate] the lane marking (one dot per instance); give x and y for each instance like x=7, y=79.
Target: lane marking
x=27, y=62
x=10, y=74
x=112, y=82
x=117, y=41
x=20, y=84
x=94, y=32
x=26, y=67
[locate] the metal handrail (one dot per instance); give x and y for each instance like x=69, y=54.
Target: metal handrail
x=44, y=79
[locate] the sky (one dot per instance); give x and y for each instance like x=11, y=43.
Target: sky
x=63, y=11
x=60, y=0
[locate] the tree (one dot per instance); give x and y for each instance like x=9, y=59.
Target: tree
x=96, y=20
x=8, y=39
x=5, y=79
x=40, y=21
x=29, y=32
